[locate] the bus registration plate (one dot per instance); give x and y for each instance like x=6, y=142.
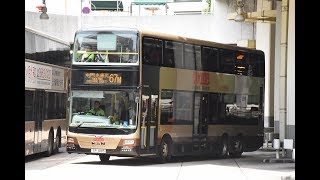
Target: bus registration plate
x=98, y=150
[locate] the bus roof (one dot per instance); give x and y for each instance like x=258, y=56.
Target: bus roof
x=196, y=41
x=156, y=34
x=108, y=28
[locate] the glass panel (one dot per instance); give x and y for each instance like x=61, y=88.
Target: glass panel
x=213, y=113
x=106, y=48
x=241, y=63
x=52, y=106
x=209, y=60
x=42, y=49
x=192, y=54
x=154, y=108
x=227, y=58
x=104, y=109
x=256, y=65
x=261, y=62
x=152, y=51
x=62, y=105
x=28, y=113
x=166, y=105
x=173, y=55
x=182, y=113
x=145, y=109
x=197, y=99
x=241, y=109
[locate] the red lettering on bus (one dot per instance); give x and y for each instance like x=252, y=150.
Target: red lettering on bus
x=98, y=139
x=201, y=78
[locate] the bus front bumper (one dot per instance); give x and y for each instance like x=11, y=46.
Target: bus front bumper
x=119, y=151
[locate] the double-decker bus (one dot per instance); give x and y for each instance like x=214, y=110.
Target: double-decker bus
x=47, y=64
x=167, y=96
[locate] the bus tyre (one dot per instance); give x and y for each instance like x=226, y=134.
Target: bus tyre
x=50, y=144
x=58, y=142
x=236, y=147
x=104, y=157
x=224, y=147
x=165, y=150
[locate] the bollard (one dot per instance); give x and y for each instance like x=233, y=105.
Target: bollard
x=293, y=154
x=288, y=144
x=276, y=145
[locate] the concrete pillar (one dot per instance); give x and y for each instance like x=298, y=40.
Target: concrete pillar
x=265, y=37
x=286, y=128
x=277, y=69
x=283, y=69
x=290, y=133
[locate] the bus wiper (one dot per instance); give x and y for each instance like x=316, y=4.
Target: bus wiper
x=79, y=125
x=125, y=131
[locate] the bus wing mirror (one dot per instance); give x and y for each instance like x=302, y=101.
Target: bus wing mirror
x=137, y=100
x=71, y=48
x=71, y=45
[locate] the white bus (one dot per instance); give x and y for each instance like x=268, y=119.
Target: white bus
x=46, y=79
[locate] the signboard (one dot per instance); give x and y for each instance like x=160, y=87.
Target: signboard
x=57, y=78
x=43, y=77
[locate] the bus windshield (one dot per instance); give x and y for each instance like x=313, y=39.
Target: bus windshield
x=104, y=109
x=107, y=47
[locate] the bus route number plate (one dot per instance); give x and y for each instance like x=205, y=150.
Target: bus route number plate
x=98, y=150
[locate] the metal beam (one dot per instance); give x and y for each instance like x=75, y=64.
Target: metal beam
x=265, y=15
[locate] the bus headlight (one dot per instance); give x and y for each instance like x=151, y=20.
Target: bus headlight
x=70, y=140
x=128, y=142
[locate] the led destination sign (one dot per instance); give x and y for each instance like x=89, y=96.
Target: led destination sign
x=103, y=78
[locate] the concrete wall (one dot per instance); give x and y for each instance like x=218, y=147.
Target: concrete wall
x=60, y=26
x=208, y=27
x=220, y=9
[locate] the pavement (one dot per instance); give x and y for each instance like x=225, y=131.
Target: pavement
x=250, y=166
x=262, y=164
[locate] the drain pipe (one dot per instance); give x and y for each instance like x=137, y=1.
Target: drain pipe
x=283, y=71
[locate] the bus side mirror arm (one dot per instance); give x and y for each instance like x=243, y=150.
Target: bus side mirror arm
x=71, y=45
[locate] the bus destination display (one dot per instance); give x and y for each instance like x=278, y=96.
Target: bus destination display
x=103, y=78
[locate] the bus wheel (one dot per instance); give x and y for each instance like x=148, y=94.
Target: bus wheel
x=58, y=141
x=104, y=157
x=224, y=147
x=50, y=144
x=165, y=151
x=237, y=147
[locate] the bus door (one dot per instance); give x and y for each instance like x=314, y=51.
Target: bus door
x=200, y=125
x=148, y=135
x=39, y=109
